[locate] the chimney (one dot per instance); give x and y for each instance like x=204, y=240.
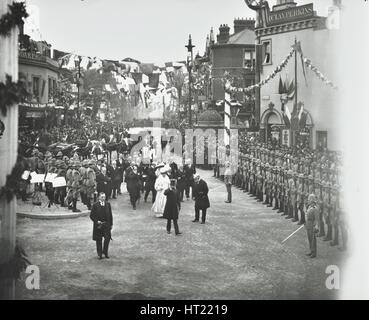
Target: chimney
x=242, y=24
x=284, y=4
x=223, y=36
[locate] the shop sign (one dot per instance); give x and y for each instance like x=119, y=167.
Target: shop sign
x=290, y=15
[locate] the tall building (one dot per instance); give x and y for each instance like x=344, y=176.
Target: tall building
x=278, y=29
x=235, y=53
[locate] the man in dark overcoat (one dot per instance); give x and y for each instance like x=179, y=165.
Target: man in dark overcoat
x=172, y=207
x=102, y=217
x=200, y=193
x=150, y=183
x=133, y=186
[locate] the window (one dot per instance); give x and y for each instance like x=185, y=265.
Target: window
x=36, y=87
x=267, y=51
x=249, y=60
x=50, y=88
x=321, y=139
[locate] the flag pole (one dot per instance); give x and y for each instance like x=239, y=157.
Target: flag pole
x=293, y=137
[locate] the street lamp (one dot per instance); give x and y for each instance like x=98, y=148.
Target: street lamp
x=189, y=68
x=77, y=62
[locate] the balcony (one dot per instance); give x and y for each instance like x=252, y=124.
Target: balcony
x=38, y=60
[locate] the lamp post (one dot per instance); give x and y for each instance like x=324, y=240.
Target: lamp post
x=77, y=62
x=189, y=68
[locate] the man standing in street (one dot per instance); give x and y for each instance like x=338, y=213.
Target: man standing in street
x=312, y=224
x=200, y=193
x=228, y=181
x=102, y=217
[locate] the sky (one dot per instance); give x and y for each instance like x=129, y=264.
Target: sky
x=146, y=30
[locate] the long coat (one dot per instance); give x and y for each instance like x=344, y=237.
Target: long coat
x=104, y=214
x=173, y=204
x=133, y=183
x=200, y=192
x=103, y=184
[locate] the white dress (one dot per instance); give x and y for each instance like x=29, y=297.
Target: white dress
x=162, y=183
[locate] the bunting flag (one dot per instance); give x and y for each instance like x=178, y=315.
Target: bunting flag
x=286, y=115
x=318, y=73
x=229, y=88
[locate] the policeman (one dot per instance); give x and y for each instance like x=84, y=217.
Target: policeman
x=312, y=224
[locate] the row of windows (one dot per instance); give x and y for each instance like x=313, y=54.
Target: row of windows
x=38, y=87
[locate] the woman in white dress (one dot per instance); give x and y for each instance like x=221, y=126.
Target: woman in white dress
x=162, y=183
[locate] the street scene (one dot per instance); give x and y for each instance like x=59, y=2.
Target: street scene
x=147, y=162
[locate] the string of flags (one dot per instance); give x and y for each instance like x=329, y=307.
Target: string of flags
x=305, y=62
x=231, y=89
x=319, y=74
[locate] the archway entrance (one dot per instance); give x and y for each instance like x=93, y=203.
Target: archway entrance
x=272, y=128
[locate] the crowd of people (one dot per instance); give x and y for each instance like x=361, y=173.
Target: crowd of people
x=283, y=178
x=278, y=176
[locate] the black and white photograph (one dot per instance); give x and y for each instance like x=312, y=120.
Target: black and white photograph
x=184, y=150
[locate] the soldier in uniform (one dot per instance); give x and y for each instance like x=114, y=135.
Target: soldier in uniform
x=83, y=173
x=259, y=182
x=326, y=210
x=294, y=190
x=51, y=168
x=75, y=185
x=246, y=174
x=312, y=224
x=319, y=202
x=281, y=191
x=68, y=178
x=276, y=188
x=301, y=197
x=60, y=192
x=90, y=183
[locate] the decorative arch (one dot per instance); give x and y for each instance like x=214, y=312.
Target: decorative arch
x=267, y=113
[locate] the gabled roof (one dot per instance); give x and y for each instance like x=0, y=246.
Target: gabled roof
x=245, y=36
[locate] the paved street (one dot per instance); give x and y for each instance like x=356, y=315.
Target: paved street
x=237, y=254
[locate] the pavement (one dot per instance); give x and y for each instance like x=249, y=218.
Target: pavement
x=26, y=209
x=237, y=255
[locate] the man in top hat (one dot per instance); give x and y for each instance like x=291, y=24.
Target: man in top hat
x=200, y=193
x=172, y=207
x=150, y=182
x=102, y=217
x=189, y=170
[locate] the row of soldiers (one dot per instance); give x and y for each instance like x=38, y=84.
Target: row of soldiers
x=284, y=182
x=80, y=182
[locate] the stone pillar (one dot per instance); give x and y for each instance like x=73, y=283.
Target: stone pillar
x=8, y=151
